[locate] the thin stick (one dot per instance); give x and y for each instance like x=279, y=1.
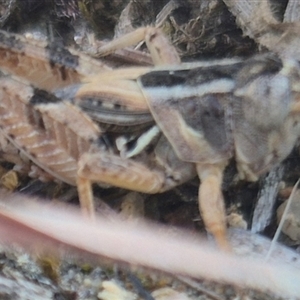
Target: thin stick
x=283, y=218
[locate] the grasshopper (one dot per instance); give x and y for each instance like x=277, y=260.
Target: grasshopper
x=205, y=114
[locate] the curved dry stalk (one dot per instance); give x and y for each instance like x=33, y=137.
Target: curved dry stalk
x=137, y=243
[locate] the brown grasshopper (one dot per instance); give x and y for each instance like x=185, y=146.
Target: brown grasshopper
x=207, y=112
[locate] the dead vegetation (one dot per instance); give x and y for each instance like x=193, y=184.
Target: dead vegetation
x=199, y=29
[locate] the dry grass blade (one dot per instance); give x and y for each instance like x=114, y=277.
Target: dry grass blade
x=46, y=226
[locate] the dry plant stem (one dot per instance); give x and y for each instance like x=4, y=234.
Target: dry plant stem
x=283, y=218
x=266, y=200
x=30, y=223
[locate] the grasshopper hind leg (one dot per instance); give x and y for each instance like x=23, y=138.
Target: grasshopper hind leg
x=161, y=50
x=131, y=174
